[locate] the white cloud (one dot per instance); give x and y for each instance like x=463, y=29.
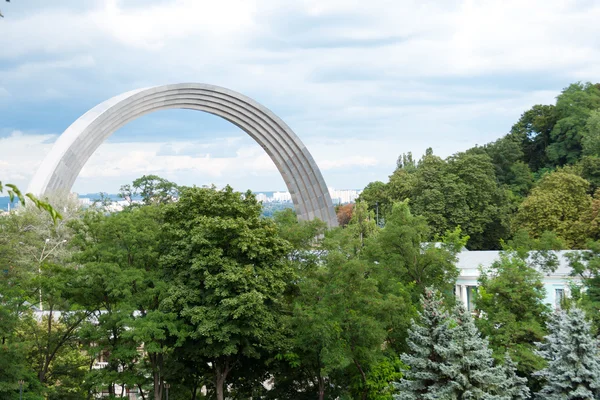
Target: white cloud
x=21, y=155
x=383, y=76
x=353, y=161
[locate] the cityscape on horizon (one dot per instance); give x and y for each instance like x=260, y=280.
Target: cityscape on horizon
x=338, y=196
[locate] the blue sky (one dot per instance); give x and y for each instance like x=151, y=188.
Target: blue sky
x=359, y=82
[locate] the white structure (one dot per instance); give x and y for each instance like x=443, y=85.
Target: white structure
x=262, y=197
x=79, y=141
x=557, y=283
x=282, y=197
x=343, y=196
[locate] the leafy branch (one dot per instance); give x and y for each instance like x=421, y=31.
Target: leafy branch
x=14, y=192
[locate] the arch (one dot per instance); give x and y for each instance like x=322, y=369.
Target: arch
x=79, y=141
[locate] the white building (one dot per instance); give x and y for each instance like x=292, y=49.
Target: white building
x=557, y=283
x=282, y=197
x=262, y=197
x=343, y=196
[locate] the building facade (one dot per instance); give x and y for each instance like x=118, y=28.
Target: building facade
x=470, y=263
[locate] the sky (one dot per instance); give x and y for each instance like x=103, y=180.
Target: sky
x=360, y=82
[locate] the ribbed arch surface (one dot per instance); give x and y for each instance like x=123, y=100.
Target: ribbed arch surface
x=79, y=141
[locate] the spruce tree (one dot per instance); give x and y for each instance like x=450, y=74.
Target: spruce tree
x=513, y=387
x=471, y=369
x=573, y=370
x=429, y=344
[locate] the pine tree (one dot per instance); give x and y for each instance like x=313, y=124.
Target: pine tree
x=573, y=371
x=513, y=387
x=429, y=343
x=471, y=369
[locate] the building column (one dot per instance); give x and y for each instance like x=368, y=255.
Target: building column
x=464, y=297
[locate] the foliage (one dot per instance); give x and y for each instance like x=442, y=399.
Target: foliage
x=471, y=371
x=573, y=370
x=344, y=214
x=124, y=289
x=557, y=204
x=573, y=108
x=429, y=341
x=151, y=188
x=402, y=250
x=585, y=265
x=375, y=195
x=510, y=299
x=512, y=386
x=226, y=268
x=13, y=191
x=539, y=253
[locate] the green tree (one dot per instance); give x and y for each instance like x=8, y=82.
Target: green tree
x=479, y=206
x=591, y=134
x=512, y=386
x=573, y=107
x=124, y=284
x=227, y=270
x=151, y=188
x=471, y=368
x=402, y=250
x=590, y=171
x=510, y=298
x=341, y=320
x=539, y=253
x=573, y=370
x=429, y=341
x=557, y=204
x=376, y=196
x=585, y=265
x=533, y=132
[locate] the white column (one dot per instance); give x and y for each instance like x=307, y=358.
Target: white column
x=464, y=297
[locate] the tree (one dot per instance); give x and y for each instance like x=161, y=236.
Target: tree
x=341, y=320
x=227, y=273
x=402, y=249
x=533, y=132
x=512, y=386
x=591, y=135
x=471, y=369
x=573, y=108
x=505, y=153
x=429, y=342
x=151, y=188
x=344, y=214
x=510, y=299
x=586, y=266
x=124, y=289
x=480, y=207
x=573, y=370
x=557, y=204
x=375, y=195
x=539, y=253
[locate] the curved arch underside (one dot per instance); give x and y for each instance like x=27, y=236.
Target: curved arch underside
x=75, y=146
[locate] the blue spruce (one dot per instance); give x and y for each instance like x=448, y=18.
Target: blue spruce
x=513, y=387
x=429, y=342
x=471, y=370
x=573, y=370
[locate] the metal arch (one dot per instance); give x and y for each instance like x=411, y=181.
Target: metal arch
x=79, y=141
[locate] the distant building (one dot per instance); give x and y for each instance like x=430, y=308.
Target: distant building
x=343, y=196
x=262, y=197
x=557, y=283
x=282, y=197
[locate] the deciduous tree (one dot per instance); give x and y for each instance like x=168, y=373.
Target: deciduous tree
x=227, y=270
